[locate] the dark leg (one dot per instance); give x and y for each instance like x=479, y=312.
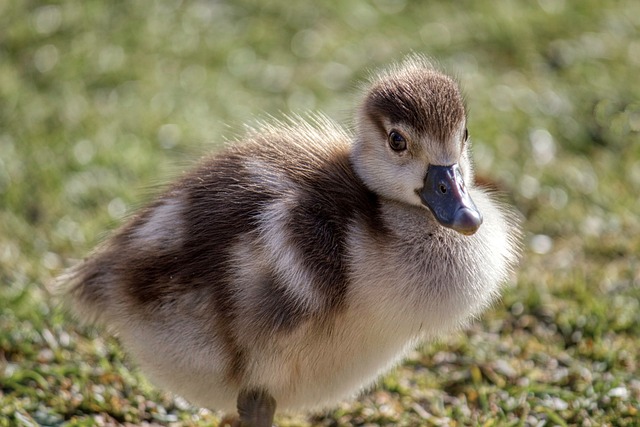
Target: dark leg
x=256, y=408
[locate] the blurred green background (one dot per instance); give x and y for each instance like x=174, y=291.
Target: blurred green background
x=100, y=102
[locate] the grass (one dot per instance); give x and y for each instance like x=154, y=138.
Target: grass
x=102, y=101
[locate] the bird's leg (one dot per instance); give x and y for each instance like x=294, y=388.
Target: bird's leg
x=256, y=408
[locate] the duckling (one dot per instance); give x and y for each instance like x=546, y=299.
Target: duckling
x=299, y=264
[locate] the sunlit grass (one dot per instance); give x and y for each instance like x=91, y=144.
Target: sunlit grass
x=102, y=102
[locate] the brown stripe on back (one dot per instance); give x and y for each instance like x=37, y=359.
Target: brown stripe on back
x=276, y=310
x=333, y=196
x=221, y=204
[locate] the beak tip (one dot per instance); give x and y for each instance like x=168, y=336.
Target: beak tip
x=467, y=221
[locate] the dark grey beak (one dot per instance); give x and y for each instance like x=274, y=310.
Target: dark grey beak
x=444, y=193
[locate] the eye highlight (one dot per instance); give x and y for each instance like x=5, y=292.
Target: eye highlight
x=397, y=141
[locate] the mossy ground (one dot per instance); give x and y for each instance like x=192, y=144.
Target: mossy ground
x=101, y=101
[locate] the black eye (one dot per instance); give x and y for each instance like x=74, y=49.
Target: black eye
x=397, y=141
x=466, y=135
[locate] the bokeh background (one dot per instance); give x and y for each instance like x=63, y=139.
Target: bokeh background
x=101, y=102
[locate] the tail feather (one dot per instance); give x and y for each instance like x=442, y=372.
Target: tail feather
x=86, y=288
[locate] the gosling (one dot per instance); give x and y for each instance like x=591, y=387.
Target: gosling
x=299, y=264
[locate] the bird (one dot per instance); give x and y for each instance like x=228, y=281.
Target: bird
x=302, y=261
